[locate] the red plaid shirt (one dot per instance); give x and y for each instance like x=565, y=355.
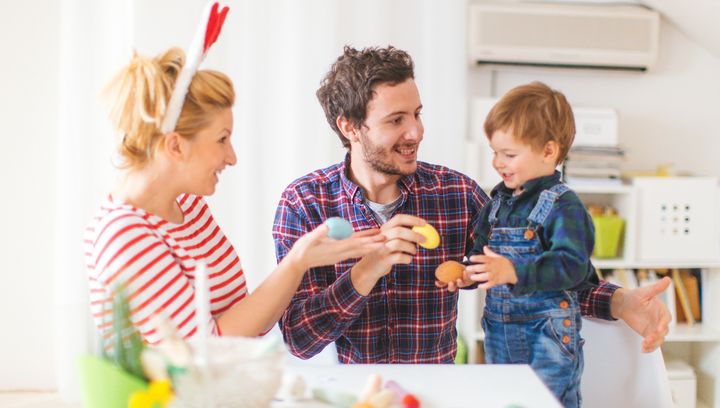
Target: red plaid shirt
x=405, y=318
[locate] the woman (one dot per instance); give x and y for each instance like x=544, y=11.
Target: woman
x=154, y=228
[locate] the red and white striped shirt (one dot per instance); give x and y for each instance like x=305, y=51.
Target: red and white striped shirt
x=156, y=260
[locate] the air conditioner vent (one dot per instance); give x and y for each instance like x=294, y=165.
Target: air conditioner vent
x=607, y=36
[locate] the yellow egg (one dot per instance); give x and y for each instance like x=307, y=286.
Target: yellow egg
x=432, y=238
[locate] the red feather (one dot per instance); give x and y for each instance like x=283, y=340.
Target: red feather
x=215, y=23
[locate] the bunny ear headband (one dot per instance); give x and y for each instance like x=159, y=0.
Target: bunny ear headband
x=206, y=34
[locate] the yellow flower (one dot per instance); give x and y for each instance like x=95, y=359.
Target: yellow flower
x=158, y=394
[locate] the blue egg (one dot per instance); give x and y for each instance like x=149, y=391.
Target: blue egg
x=338, y=228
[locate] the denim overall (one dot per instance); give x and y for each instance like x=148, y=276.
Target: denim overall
x=543, y=328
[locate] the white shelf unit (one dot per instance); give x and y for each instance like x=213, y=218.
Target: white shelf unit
x=699, y=344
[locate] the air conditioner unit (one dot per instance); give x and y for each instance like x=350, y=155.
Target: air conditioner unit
x=564, y=35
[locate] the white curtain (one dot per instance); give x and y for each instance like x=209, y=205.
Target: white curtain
x=276, y=52
x=94, y=42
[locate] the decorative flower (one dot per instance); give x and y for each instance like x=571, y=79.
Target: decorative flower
x=159, y=394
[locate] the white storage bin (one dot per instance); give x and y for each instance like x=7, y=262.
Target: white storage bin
x=677, y=219
x=682, y=383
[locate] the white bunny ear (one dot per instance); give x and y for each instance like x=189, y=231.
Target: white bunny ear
x=206, y=34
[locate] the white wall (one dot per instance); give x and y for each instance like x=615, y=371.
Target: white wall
x=28, y=113
x=666, y=115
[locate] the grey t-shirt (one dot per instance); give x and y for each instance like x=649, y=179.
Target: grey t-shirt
x=383, y=212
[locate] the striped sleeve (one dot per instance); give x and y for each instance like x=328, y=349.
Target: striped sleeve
x=129, y=251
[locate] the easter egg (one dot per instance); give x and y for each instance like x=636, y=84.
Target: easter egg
x=432, y=238
x=334, y=397
x=449, y=271
x=338, y=228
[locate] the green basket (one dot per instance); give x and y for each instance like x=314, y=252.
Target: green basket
x=608, y=233
x=105, y=385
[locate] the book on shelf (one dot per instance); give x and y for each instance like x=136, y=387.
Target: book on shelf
x=685, y=297
x=592, y=181
x=595, y=151
x=610, y=276
x=597, y=172
x=668, y=296
x=593, y=165
x=627, y=278
x=591, y=159
x=690, y=289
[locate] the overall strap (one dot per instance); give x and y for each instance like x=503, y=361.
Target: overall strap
x=545, y=203
x=494, y=210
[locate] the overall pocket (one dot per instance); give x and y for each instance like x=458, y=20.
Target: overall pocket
x=563, y=335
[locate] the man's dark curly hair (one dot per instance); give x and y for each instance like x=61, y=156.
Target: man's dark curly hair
x=349, y=86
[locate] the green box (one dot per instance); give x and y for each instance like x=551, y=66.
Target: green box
x=104, y=385
x=608, y=234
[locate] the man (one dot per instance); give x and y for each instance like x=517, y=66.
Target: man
x=385, y=307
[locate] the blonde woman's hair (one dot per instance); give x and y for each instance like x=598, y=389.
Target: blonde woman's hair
x=139, y=95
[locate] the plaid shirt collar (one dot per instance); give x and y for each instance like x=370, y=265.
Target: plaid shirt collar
x=357, y=195
x=530, y=188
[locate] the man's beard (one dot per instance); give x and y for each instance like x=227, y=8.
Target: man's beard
x=376, y=156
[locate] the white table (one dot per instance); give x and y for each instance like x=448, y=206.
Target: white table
x=436, y=386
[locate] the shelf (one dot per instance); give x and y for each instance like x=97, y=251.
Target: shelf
x=585, y=188
x=621, y=263
x=600, y=188
x=695, y=333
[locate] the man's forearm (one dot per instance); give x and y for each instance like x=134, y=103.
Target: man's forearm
x=363, y=279
x=617, y=302
x=312, y=323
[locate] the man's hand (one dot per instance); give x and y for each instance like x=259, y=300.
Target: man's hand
x=492, y=269
x=399, y=248
x=453, y=286
x=643, y=312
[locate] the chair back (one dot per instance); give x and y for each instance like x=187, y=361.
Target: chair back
x=617, y=373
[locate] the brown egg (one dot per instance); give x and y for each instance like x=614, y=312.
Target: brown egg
x=449, y=271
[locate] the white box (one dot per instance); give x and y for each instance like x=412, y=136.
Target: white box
x=677, y=219
x=682, y=383
x=596, y=127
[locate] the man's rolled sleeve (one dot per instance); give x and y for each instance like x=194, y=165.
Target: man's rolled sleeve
x=595, y=302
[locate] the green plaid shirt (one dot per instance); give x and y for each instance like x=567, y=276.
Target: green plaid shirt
x=567, y=237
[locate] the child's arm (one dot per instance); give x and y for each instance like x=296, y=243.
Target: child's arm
x=477, y=233
x=476, y=240
x=480, y=235
x=568, y=239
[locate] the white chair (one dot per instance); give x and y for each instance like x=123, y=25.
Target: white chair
x=617, y=373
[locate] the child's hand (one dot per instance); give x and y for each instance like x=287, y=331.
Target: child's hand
x=453, y=286
x=492, y=269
